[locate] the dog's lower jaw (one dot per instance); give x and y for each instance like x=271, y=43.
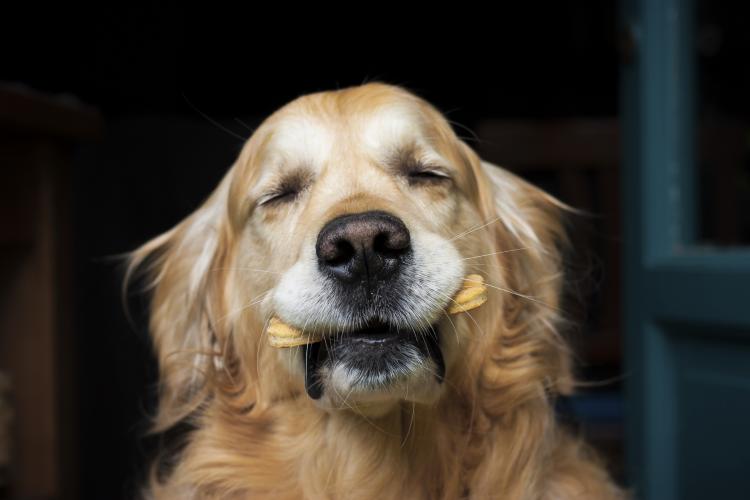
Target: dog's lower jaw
x=421, y=389
x=368, y=371
x=374, y=409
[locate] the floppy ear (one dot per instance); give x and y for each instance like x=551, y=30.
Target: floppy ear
x=528, y=357
x=184, y=269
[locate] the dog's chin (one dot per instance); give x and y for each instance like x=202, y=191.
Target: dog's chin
x=371, y=369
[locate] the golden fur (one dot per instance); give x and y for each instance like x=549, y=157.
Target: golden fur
x=492, y=434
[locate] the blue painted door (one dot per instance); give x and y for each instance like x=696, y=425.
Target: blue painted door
x=687, y=304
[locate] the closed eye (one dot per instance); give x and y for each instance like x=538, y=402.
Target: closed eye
x=416, y=168
x=278, y=197
x=427, y=176
x=287, y=189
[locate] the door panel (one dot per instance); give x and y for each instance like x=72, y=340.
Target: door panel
x=712, y=388
x=687, y=304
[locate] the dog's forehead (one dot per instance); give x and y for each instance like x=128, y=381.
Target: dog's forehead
x=302, y=137
x=389, y=126
x=314, y=138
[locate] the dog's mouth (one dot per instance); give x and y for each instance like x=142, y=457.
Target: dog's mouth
x=372, y=358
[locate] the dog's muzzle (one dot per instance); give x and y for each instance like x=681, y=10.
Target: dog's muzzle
x=363, y=257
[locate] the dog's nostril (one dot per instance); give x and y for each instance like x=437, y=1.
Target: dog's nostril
x=343, y=252
x=366, y=245
x=390, y=245
x=380, y=243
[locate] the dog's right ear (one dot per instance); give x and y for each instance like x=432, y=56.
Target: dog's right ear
x=531, y=220
x=184, y=269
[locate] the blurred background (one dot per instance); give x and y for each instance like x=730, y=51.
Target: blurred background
x=117, y=121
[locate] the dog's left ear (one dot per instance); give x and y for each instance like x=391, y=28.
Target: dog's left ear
x=529, y=219
x=184, y=269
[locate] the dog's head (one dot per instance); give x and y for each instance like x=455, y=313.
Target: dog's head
x=353, y=215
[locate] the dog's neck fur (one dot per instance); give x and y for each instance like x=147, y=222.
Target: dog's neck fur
x=292, y=449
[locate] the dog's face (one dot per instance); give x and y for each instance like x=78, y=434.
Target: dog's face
x=354, y=215
x=355, y=206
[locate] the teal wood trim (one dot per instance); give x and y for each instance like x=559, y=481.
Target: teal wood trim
x=654, y=116
x=630, y=118
x=661, y=72
x=697, y=295
x=730, y=259
x=657, y=467
x=665, y=155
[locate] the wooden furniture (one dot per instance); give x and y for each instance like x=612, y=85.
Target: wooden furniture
x=577, y=159
x=37, y=137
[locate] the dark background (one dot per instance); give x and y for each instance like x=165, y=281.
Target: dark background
x=178, y=88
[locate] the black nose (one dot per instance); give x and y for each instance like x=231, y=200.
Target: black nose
x=367, y=246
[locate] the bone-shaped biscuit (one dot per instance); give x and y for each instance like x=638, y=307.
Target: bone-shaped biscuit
x=282, y=335
x=472, y=294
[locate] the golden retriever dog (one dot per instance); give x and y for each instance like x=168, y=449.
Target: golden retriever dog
x=354, y=215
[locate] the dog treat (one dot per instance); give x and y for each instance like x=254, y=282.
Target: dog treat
x=472, y=294
x=282, y=335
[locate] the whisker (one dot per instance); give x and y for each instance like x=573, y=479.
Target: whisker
x=465, y=312
x=461, y=125
x=327, y=344
x=330, y=474
x=362, y=415
x=447, y=382
x=212, y=121
x=421, y=337
x=497, y=253
x=603, y=382
x=518, y=294
x=424, y=209
x=455, y=330
x=257, y=353
x=469, y=231
x=243, y=124
x=348, y=394
x=245, y=269
x=255, y=300
x=411, y=420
